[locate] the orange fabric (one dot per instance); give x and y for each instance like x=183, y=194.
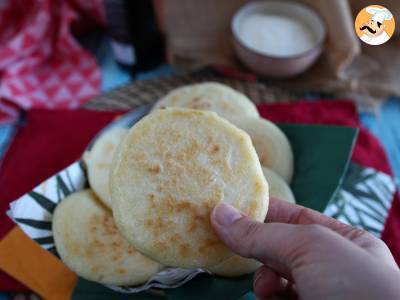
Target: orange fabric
x=25, y=260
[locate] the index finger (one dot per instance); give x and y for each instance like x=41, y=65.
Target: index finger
x=283, y=212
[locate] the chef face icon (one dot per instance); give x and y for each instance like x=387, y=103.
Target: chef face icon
x=373, y=28
x=372, y=25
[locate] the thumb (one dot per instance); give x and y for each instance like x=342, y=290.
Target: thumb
x=277, y=245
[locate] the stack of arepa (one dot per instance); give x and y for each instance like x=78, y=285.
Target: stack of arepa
x=153, y=187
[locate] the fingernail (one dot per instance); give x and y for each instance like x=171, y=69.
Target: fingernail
x=258, y=276
x=226, y=214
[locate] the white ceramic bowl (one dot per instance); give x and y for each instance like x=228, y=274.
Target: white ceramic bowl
x=279, y=64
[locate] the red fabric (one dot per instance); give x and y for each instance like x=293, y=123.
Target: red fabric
x=41, y=63
x=316, y=112
x=9, y=112
x=51, y=140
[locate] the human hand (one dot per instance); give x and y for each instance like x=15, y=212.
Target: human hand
x=308, y=255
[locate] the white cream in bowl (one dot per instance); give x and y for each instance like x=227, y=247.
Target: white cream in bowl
x=278, y=28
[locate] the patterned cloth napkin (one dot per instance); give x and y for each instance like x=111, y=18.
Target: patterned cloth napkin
x=41, y=63
x=47, y=143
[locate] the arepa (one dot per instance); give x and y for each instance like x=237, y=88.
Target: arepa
x=98, y=161
x=211, y=96
x=278, y=188
x=272, y=146
x=237, y=265
x=169, y=172
x=89, y=243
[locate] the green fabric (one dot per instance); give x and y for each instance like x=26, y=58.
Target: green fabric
x=212, y=287
x=87, y=290
x=321, y=157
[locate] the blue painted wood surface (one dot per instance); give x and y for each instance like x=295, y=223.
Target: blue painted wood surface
x=386, y=127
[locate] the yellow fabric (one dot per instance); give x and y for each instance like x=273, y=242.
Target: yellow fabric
x=26, y=261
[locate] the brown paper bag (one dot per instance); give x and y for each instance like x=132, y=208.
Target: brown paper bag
x=198, y=34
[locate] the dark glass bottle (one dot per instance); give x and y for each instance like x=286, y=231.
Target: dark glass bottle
x=136, y=40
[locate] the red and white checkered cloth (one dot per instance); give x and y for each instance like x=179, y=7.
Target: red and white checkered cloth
x=41, y=63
